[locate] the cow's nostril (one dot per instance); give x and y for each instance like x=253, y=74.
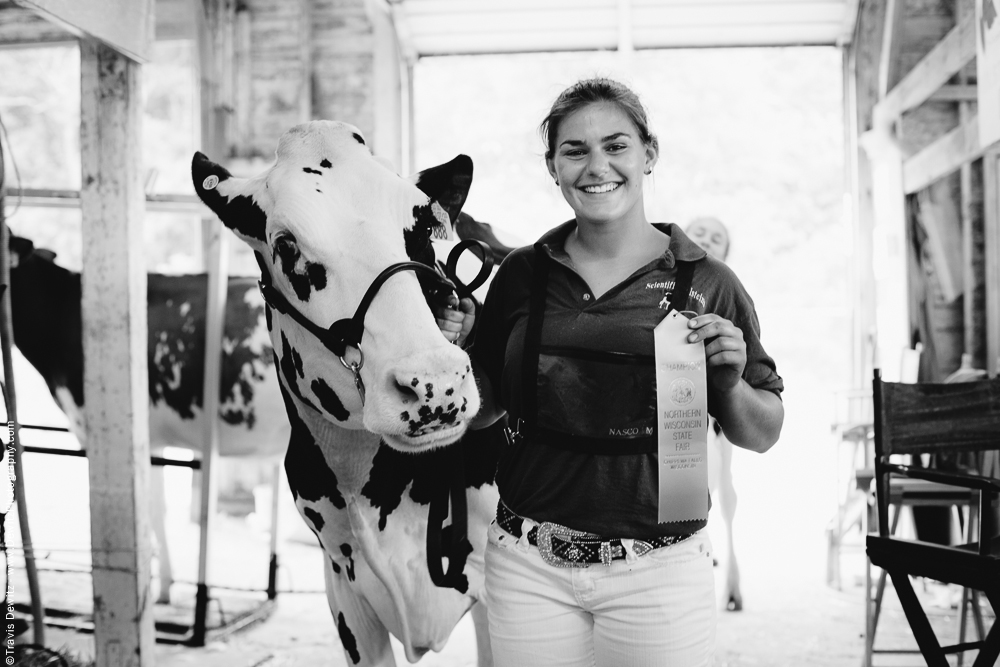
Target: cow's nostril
x=406, y=393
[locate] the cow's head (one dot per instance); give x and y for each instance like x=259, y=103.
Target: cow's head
x=325, y=220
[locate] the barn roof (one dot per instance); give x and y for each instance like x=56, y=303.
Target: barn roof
x=451, y=27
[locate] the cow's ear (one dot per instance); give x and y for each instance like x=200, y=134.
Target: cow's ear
x=231, y=198
x=447, y=185
x=20, y=249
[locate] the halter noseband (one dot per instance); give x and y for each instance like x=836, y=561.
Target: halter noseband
x=348, y=331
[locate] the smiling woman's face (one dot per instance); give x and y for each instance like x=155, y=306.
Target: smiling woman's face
x=599, y=162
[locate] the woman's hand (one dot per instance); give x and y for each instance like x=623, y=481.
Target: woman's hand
x=751, y=418
x=725, y=350
x=457, y=319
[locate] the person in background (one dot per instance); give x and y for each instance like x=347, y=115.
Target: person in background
x=578, y=569
x=713, y=236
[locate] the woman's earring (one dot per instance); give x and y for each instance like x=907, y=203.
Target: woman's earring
x=557, y=181
x=648, y=171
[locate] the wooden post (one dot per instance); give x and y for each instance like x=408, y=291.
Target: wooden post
x=387, y=85
x=114, y=346
x=991, y=225
x=864, y=67
x=216, y=48
x=217, y=258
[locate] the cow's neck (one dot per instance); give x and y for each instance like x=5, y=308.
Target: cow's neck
x=349, y=451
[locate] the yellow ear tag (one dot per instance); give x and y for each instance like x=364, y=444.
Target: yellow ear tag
x=682, y=421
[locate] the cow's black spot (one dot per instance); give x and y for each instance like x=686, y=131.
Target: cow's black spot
x=329, y=400
x=346, y=550
x=319, y=191
x=449, y=391
x=309, y=474
x=429, y=387
x=315, y=517
x=405, y=416
x=392, y=471
x=290, y=364
x=311, y=275
x=325, y=163
x=414, y=382
x=317, y=275
x=312, y=171
x=297, y=360
x=417, y=239
x=347, y=639
x=358, y=138
x=333, y=564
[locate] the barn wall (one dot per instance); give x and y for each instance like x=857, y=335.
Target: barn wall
x=309, y=59
x=343, y=63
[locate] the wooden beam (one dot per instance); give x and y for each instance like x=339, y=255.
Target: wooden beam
x=888, y=64
x=849, y=24
x=155, y=203
x=941, y=218
x=943, y=61
x=991, y=229
x=861, y=84
x=957, y=93
x=23, y=27
x=216, y=46
x=971, y=210
x=942, y=157
x=387, y=85
x=114, y=346
x=125, y=25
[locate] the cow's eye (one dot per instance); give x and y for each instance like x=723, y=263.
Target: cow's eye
x=284, y=247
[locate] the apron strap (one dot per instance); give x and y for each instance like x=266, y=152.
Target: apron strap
x=682, y=285
x=527, y=423
x=533, y=336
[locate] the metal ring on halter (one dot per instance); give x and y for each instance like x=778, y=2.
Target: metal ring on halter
x=355, y=366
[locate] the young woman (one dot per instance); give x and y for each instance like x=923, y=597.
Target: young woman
x=578, y=569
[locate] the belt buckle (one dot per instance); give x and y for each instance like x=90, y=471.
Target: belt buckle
x=546, y=531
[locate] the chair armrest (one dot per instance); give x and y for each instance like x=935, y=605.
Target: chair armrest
x=967, y=481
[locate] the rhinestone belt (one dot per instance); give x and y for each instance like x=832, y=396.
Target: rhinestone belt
x=560, y=546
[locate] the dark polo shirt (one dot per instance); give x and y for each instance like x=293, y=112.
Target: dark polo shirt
x=611, y=495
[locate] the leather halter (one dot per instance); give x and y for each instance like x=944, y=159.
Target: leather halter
x=349, y=331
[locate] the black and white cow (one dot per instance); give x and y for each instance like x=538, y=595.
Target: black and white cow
x=325, y=220
x=46, y=314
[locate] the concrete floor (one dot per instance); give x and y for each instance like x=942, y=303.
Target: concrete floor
x=791, y=617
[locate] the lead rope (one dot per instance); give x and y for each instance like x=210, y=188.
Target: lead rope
x=452, y=542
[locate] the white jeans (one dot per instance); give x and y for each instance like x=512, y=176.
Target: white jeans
x=657, y=610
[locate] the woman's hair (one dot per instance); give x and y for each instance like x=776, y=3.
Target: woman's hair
x=589, y=91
